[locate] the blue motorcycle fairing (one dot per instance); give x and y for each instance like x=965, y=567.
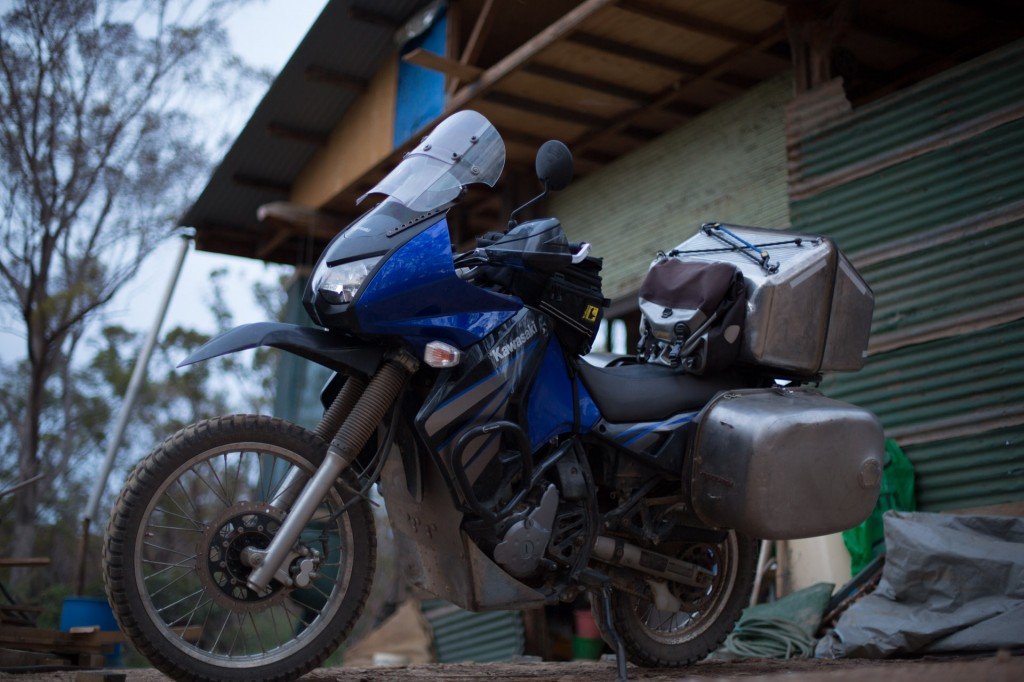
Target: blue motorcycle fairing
x=416, y=294
x=519, y=374
x=334, y=350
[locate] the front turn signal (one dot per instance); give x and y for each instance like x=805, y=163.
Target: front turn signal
x=441, y=355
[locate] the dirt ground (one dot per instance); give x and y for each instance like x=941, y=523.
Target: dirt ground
x=1000, y=668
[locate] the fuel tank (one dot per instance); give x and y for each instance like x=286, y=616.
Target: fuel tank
x=780, y=463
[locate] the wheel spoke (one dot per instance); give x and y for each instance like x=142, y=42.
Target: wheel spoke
x=186, y=573
x=212, y=489
x=164, y=563
x=218, y=519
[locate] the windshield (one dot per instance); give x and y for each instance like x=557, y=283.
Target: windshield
x=463, y=149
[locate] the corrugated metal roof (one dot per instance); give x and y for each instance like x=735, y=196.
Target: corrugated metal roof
x=337, y=42
x=478, y=637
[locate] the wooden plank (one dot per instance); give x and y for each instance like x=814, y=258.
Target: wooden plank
x=569, y=22
x=584, y=81
x=435, y=62
x=452, y=40
x=287, y=132
x=689, y=21
x=635, y=53
x=322, y=74
x=677, y=89
x=545, y=109
x=11, y=562
x=478, y=35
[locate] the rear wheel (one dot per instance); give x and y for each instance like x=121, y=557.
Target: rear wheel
x=178, y=547
x=669, y=639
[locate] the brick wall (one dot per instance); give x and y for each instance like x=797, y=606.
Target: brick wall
x=728, y=164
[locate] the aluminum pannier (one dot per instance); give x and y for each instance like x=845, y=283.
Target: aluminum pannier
x=781, y=463
x=808, y=309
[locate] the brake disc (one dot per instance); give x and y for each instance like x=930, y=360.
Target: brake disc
x=219, y=555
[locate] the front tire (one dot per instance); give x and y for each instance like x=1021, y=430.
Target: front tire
x=173, y=563
x=655, y=638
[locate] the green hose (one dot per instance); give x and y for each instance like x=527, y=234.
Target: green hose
x=765, y=637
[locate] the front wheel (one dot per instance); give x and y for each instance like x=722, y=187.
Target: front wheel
x=657, y=638
x=175, y=557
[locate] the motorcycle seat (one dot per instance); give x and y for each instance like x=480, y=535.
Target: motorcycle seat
x=646, y=392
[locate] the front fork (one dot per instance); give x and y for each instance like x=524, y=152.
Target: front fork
x=358, y=412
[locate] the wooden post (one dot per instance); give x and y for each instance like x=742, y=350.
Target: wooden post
x=814, y=28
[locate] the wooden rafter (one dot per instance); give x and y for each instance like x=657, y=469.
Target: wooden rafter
x=561, y=28
x=475, y=43
x=729, y=81
x=545, y=109
x=689, y=21
x=584, y=81
x=676, y=90
x=435, y=62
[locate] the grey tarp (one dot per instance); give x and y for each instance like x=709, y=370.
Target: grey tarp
x=950, y=583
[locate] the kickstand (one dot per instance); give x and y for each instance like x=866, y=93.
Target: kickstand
x=609, y=624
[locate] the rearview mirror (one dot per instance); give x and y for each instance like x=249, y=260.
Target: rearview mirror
x=554, y=165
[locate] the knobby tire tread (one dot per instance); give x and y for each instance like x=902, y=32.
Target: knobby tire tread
x=640, y=650
x=143, y=482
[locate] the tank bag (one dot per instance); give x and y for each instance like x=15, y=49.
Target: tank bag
x=691, y=314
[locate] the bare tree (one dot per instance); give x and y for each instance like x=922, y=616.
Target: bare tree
x=97, y=153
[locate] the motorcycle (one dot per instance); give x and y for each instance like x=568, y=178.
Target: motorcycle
x=515, y=472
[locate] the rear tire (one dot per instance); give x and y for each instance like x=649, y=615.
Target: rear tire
x=648, y=646
x=131, y=530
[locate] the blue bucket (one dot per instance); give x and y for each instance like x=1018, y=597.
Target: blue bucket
x=87, y=611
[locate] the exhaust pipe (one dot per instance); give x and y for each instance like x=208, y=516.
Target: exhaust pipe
x=618, y=552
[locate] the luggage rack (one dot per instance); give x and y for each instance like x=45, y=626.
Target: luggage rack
x=756, y=252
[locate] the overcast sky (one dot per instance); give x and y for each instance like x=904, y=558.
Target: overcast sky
x=264, y=34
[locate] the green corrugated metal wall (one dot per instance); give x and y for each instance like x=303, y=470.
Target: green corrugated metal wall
x=461, y=636
x=925, y=191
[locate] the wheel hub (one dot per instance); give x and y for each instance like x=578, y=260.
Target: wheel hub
x=224, y=550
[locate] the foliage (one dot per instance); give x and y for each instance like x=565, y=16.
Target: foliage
x=98, y=153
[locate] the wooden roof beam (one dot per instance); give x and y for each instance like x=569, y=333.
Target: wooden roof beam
x=322, y=74
x=435, y=62
x=633, y=52
x=558, y=30
x=639, y=54
x=689, y=21
x=287, y=132
x=589, y=82
x=674, y=91
x=475, y=43
x=545, y=109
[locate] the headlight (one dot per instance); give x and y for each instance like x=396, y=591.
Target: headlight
x=339, y=284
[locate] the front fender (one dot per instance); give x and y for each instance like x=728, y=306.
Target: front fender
x=332, y=350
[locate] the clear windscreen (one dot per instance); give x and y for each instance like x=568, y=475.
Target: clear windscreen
x=463, y=149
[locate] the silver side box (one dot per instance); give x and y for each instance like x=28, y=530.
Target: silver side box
x=812, y=315
x=782, y=464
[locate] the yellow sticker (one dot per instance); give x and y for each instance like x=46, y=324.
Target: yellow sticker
x=590, y=313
